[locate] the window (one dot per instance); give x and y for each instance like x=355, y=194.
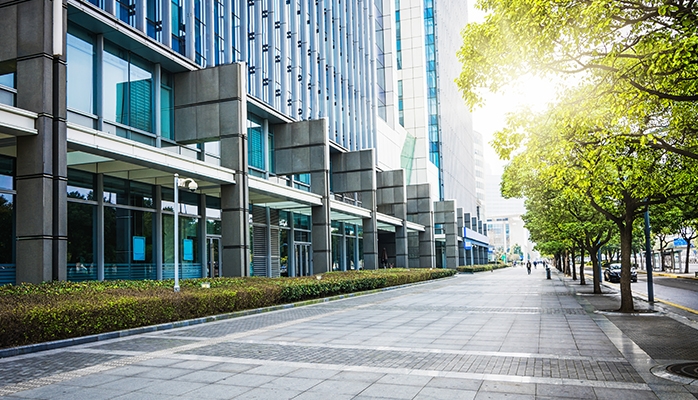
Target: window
x=178, y=38
x=127, y=89
x=8, y=90
x=166, y=107
x=153, y=19
x=80, y=57
x=255, y=145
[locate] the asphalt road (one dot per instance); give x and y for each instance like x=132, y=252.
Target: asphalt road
x=683, y=292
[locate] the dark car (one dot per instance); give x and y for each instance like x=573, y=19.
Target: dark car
x=612, y=273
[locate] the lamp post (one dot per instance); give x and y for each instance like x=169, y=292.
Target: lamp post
x=191, y=185
x=648, y=257
x=176, y=232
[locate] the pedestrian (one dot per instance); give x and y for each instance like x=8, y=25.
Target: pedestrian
x=528, y=267
x=384, y=259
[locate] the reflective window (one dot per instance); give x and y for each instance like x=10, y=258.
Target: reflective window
x=127, y=89
x=8, y=89
x=7, y=230
x=7, y=173
x=255, y=145
x=81, y=185
x=80, y=57
x=82, y=241
x=128, y=244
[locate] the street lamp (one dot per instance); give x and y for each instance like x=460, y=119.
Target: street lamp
x=191, y=185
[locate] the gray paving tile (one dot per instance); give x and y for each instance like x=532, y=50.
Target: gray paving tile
x=323, y=396
x=275, y=370
x=195, y=364
x=454, y=383
x=205, y=376
x=565, y=391
x=90, y=380
x=332, y=386
x=218, y=391
x=292, y=383
x=268, y=394
x=48, y=392
x=508, y=387
x=313, y=373
x=389, y=391
x=435, y=393
x=625, y=394
x=503, y=396
x=128, y=384
x=358, y=376
x=172, y=388
x=249, y=380
x=401, y=379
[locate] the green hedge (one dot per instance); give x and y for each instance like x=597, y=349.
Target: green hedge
x=481, y=268
x=61, y=310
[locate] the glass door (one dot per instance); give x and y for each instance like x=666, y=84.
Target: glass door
x=213, y=245
x=302, y=253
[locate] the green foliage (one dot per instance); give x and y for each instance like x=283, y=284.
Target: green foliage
x=60, y=310
x=481, y=268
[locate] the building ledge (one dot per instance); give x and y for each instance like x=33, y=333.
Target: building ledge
x=16, y=122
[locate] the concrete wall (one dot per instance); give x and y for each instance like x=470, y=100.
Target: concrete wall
x=445, y=214
x=420, y=210
x=391, y=198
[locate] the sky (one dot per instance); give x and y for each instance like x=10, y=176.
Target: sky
x=488, y=119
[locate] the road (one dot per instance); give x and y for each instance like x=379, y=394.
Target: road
x=683, y=292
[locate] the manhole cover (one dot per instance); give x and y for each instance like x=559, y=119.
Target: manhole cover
x=689, y=370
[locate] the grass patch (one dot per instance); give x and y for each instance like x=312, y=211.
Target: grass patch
x=60, y=310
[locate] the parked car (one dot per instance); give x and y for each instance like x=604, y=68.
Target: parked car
x=612, y=273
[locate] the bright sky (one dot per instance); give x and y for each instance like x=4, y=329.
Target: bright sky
x=533, y=92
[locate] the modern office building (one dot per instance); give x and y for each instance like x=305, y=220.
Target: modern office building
x=295, y=138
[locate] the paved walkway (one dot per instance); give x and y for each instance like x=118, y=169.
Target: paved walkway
x=494, y=335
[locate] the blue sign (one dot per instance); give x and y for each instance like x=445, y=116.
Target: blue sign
x=679, y=242
x=138, y=248
x=467, y=245
x=188, y=250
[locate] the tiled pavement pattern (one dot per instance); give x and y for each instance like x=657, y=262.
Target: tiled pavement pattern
x=496, y=335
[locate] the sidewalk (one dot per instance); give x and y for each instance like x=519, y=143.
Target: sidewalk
x=494, y=335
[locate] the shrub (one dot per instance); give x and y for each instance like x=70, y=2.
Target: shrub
x=60, y=310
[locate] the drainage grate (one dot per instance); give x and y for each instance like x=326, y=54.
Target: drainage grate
x=689, y=370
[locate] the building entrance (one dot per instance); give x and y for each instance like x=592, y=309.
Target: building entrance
x=302, y=258
x=213, y=245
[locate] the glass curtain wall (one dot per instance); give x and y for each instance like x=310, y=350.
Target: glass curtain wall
x=7, y=221
x=129, y=225
x=82, y=226
x=189, y=241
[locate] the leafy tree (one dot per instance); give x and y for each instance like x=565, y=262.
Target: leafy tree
x=574, y=147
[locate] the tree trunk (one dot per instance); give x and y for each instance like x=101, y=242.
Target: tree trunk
x=582, y=279
x=688, y=254
x=574, y=266
x=662, y=246
x=626, y=243
x=593, y=253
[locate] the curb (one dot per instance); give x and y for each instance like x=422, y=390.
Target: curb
x=669, y=275
x=57, y=344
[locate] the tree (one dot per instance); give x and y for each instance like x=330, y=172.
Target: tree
x=574, y=147
x=642, y=55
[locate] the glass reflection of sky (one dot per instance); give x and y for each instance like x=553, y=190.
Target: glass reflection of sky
x=183, y=208
x=6, y=182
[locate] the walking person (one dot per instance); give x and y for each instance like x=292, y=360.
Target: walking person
x=528, y=267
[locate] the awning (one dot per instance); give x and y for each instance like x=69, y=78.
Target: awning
x=16, y=122
x=98, y=152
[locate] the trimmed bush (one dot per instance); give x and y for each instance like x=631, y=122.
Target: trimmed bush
x=480, y=268
x=61, y=310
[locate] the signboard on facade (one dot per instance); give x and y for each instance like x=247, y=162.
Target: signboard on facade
x=468, y=245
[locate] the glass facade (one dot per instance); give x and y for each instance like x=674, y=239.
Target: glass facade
x=8, y=90
x=7, y=220
x=432, y=89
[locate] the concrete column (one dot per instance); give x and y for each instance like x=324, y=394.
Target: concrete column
x=445, y=214
x=419, y=210
x=41, y=179
x=392, y=200
x=321, y=223
x=461, y=232
x=370, y=231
